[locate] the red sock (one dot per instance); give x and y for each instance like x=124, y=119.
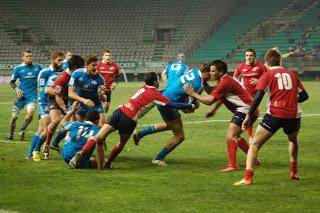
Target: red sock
x=294, y=167
x=243, y=144
x=48, y=137
x=249, y=132
x=114, y=153
x=91, y=142
x=249, y=174
x=232, y=152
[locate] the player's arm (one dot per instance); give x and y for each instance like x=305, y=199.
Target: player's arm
x=176, y=105
x=207, y=87
x=303, y=96
x=50, y=91
x=69, y=114
x=211, y=112
x=256, y=102
x=14, y=86
x=208, y=100
x=60, y=102
x=73, y=95
x=164, y=76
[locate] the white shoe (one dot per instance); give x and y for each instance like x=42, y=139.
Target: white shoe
x=159, y=163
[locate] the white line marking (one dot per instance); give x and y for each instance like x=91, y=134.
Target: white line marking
x=8, y=141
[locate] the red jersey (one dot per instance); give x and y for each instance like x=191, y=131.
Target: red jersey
x=61, y=84
x=230, y=92
x=109, y=72
x=284, y=87
x=143, y=101
x=246, y=72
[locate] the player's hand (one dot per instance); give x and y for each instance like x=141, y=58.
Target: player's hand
x=89, y=103
x=75, y=106
x=246, y=123
x=19, y=92
x=113, y=86
x=189, y=90
x=210, y=114
x=253, y=81
x=196, y=105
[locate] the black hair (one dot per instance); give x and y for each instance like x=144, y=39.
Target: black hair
x=150, y=78
x=220, y=65
x=93, y=116
x=252, y=51
x=76, y=62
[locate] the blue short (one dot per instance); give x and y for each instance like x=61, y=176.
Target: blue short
x=84, y=109
x=272, y=124
x=238, y=118
x=25, y=100
x=68, y=153
x=168, y=114
x=43, y=110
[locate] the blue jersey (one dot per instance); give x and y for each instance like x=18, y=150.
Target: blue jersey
x=43, y=78
x=86, y=85
x=176, y=92
x=27, y=76
x=174, y=71
x=65, y=64
x=50, y=83
x=77, y=136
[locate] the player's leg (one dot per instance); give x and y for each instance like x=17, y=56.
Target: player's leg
x=55, y=118
x=232, y=135
x=124, y=137
x=267, y=127
x=106, y=104
x=291, y=128
x=18, y=104
x=31, y=107
x=159, y=127
x=178, y=137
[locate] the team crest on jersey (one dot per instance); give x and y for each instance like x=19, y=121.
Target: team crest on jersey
x=255, y=69
x=29, y=73
x=94, y=82
x=111, y=68
x=244, y=70
x=81, y=79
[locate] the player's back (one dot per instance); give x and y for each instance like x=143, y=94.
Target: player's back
x=43, y=78
x=176, y=91
x=174, y=71
x=28, y=77
x=77, y=136
x=284, y=85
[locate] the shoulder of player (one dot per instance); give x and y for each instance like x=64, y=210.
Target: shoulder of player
x=78, y=72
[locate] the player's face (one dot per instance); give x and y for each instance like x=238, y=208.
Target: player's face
x=214, y=73
x=250, y=59
x=92, y=68
x=107, y=57
x=27, y=58
x=57, y=62
x=69, y=56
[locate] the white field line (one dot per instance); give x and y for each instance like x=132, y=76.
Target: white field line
x=10, y=142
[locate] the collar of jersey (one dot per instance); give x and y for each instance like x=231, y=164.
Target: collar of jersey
x=275, y=67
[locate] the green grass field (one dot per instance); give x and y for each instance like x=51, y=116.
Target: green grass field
x=191, y=182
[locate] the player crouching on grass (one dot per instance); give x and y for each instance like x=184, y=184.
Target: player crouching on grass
x=77, y=136
x=285, y=92
x=125, y=118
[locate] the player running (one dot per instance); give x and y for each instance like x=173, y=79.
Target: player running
x=286, y=91
x=26, y=92
x=171, y=117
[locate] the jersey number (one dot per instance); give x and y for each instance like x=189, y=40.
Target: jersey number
x=83, y=132
x=284, y=81
x=176, y=67
x=187, y=77
x=139, y=92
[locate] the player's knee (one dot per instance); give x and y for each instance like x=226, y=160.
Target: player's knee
x=15, y=112
x=31, y=108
